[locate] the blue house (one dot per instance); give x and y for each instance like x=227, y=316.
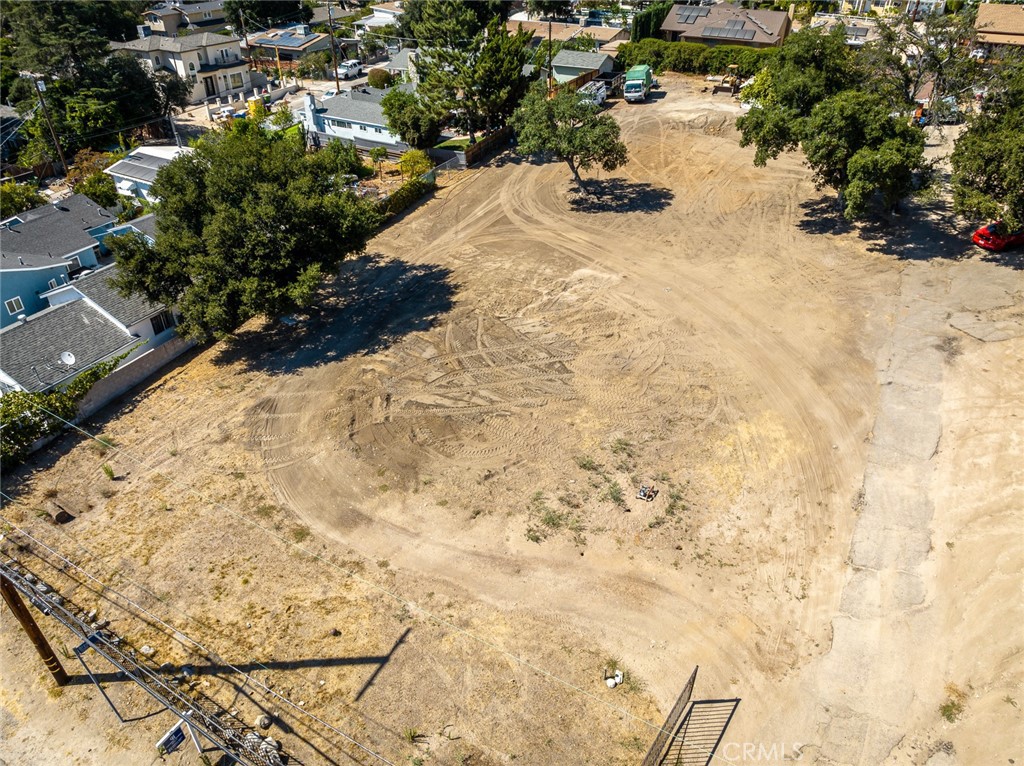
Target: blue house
x=46, y=247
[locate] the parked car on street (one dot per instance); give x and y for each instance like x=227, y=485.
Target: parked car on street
x=996, y=237
x=349, y=69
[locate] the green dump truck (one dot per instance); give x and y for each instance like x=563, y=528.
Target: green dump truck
x=638, y=83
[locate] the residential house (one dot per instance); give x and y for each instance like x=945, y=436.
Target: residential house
x=52, y=347
x=999, y=25
x=858, y=30
x=287, y=43
x=172, y=18
x=330, y=15
x=212, y=63
x=134, y=175
x=46, y=247
x=916, y=8
x=355, y=116
x=568, y=65
x=89, y=322
x=725, y=24
x=403, y=65
x=560, y=31
x=384, y=14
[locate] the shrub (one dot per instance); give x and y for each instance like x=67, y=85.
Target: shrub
x=406, y=195
x=694, y=58
x=379, y=78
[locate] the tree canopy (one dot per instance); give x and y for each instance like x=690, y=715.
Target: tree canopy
x=480, y=82
x=16, y=198
x=988, y=159
x=92, y=96
x=248, y=224
x=568, y=126
x=856, y=137
x=416, y=121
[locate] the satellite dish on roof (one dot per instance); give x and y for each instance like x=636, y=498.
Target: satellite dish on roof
x=67, y=358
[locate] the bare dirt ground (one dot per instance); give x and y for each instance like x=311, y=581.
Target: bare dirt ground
x=834, y=419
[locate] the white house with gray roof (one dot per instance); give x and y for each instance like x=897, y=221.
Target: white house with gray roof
x=355, y=116
x=45, y=247
x=54, y=346
x=134, y=175
x=212, y=63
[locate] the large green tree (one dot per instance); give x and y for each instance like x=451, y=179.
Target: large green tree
x=414, y=120
x=92, y=96
x=482, y=82
x=848, y=114
x=855, y=146
x=556, y=9
x=447, y=24
x=67, y=38
x=927, y=59
x=16, y=198
x=811, y=67
x=248, y=224
x=988, y=159
x=570, y=128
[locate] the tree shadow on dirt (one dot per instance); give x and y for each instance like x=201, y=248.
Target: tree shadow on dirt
x=1011, y=259
x=919, y=232
x=617, y=195
x=373, y=303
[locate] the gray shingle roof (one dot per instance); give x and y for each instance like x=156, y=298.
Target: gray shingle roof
x=128, y=311
x=42, y=243
x=359, y=105
x=580, y=59
x=146, y=224
x=38, y=343
x=77, y=207
x=174, y=44
x=48, y=233
x=400, y=60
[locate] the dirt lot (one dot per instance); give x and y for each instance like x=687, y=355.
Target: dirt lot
x=833, y=417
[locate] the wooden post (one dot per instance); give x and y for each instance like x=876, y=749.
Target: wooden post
x=28, y=624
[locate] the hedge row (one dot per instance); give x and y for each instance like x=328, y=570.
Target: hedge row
x=407, y=194
x=694, y=58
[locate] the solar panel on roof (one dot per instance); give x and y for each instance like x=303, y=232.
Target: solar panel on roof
x=734, y=23
x=731, y=33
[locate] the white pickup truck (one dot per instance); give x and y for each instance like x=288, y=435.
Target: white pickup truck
x=595, y=91
x=349, y=69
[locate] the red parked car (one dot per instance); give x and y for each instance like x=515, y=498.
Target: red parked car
x=995, y=237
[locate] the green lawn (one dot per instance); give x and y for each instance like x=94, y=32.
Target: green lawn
x=458, y=144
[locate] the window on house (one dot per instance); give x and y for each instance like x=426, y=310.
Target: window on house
x=52, y=284
x=362, y=127
x=157, y=60
x=162, y=321
x=378, y=130
x=14, y=305
x=74, y=263
x=236, y=80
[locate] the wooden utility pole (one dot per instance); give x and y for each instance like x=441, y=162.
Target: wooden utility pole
x=28, y=624
x=549, y=55
x=334, y=52
x=53, y=133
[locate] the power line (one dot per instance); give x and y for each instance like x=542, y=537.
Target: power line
x=176, y=632
x=391, y=594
